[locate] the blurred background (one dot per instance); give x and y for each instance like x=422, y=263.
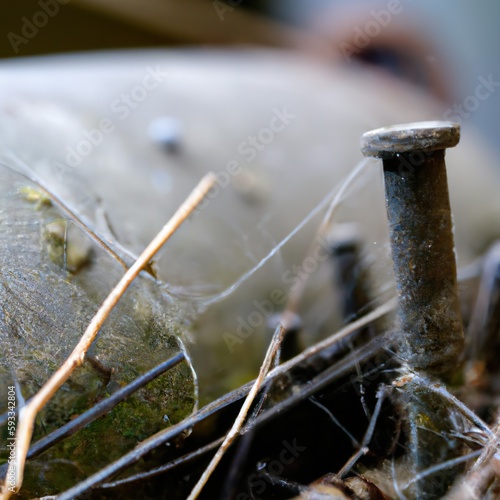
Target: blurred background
x=446, y=46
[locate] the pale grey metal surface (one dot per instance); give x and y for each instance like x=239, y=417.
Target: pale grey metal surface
x=50, y=107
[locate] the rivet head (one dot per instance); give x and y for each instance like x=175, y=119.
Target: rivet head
x=388, y=142
x=166, y=131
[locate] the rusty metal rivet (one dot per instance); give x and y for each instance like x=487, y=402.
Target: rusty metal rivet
x=419, y=214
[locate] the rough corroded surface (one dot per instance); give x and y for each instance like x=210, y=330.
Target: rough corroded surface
x=388, y=142
x=424, y=263
x=418, y=209
x=430, y=425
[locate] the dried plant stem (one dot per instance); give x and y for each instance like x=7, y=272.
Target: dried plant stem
x=240, y=419
x=171, y=432
x=28, y=413
x=315, y=349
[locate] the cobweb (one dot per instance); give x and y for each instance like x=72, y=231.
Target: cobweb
x=352, y=408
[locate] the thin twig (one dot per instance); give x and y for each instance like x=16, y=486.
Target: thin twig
x=344, y=332
x=28, y=413
x=238, y=423
x=233, y=397
x=152, y=443
x=273, y=348
x=316, y=384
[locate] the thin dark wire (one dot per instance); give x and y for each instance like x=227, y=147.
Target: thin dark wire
x=152, y=443
x=188, y=457
x=98, y=410
x=322, y=380
x=363, y=448
x=103, y=406
x=353, y=440
x=242, y=449
x=167, y=434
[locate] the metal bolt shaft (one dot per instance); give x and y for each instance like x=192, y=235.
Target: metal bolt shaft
x=419, y=214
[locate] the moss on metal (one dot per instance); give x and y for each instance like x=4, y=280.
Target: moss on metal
x=53, y=278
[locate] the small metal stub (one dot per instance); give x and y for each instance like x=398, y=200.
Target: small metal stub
x=166, y=131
